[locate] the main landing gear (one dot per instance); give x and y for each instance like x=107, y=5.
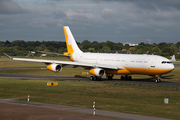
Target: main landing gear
x=158, y=79
x=95, y=78
x=126, y=77
x=109, y=76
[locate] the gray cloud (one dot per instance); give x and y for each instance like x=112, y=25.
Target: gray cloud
x=9, y=7
x=115, y=20
x=148, y=4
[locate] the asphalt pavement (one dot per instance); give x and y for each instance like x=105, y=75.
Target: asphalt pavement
x=63, y=78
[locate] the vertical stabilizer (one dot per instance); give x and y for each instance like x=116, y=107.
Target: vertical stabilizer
x=173, y=58
x=70, y=41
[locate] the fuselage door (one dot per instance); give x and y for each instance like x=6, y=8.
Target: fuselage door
x=127, y=61
x=153, y=63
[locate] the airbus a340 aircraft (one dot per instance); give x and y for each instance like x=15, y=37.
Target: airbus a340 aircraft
x=100, y=64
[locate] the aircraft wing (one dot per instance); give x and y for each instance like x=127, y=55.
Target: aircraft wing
x=71, y=63
x=51, y=53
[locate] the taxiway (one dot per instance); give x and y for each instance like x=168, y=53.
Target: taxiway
x=63, y=78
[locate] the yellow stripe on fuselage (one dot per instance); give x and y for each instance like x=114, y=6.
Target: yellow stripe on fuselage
x=145, y=71
x=69, y=47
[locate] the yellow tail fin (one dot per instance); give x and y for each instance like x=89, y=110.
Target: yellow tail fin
x=70, y=42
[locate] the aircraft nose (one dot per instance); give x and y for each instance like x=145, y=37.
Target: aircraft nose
x=172, y=66
x=169, y=68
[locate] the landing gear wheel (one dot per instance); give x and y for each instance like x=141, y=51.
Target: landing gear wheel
x=96, y=78
x=129, y=78
x=126, y=77
x=92, y=78
x=158, y=80
x=122, y=77
x=109, y=77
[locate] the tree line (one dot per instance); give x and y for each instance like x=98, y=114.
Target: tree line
x=21, y=47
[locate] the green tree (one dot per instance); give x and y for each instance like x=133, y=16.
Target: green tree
x=62, y=50
x=118, y=46
x=126, y=46
x=2, y=44
x=162, y=45
x=85, y=45
x=156, y=50
x=110, y=45
x=178, y=46
x=140, y=48
x=132, y=49
x=167, y=51
x=51, y=48
x=95, y=45
x=41, y=47
x=105, y=49
x=91, y=50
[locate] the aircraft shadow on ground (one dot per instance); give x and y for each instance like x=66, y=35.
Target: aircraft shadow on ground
x=80, y=76
x=136, y=80
x=152, y=79
x=169, y=77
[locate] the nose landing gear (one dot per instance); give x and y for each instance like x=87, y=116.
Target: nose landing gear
x=158, y=79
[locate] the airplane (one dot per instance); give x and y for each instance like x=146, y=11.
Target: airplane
x=110, y=64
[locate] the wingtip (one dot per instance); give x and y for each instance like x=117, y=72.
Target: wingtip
x=7, y=55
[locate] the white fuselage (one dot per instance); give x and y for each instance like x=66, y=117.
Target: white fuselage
x=133, y=64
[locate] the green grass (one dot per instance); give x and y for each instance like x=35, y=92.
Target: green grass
x=20, y=64
x=145, y=100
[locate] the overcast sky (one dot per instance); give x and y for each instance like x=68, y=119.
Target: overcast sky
x=93, y=20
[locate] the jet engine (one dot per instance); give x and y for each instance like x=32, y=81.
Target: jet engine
x=97, y=72
x=54, y=67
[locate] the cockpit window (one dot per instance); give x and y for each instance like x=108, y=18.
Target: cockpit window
x=164, y=62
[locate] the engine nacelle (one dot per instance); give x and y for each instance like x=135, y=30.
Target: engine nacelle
x=54, y=67
x=97, y=72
